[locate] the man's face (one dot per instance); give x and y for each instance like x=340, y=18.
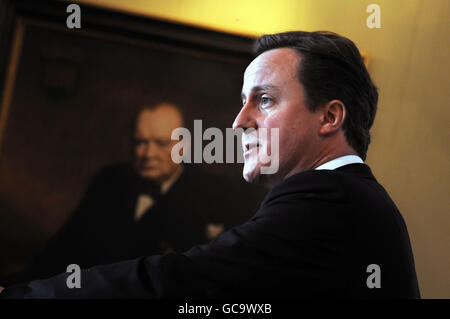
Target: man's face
x=153, y=145
x=273, y=97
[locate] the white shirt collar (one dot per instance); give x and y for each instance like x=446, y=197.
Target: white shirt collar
x=145, y=201
x=341, y=161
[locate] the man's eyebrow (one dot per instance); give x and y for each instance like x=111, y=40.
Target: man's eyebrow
x=260, y=88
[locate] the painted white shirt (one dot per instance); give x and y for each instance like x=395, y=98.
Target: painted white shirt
x=144, y=202
x=341, y=161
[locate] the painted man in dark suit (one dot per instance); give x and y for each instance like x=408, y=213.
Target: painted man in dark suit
x=327, y=228
x=150, y=206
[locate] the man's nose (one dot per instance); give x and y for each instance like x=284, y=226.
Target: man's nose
x=151, y=149
x=246, y=118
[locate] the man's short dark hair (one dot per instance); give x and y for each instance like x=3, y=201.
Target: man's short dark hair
x=332, y=68
x=152, y=107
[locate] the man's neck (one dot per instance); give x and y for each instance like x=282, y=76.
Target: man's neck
x=320, y=160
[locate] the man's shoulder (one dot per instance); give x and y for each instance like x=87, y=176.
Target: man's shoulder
x=112, y=177
x=322, y=184
x=115, y=171
x=349, y=194
x=350, y=191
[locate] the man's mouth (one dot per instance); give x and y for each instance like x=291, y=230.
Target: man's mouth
x=249, y=147
x=147, y=166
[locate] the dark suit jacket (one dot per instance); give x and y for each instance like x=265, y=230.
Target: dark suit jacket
x=103, y=229
x=314, y=236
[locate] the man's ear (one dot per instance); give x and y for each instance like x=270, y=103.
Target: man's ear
x=332, y=118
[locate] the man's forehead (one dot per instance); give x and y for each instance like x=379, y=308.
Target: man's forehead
x=160, y=121
x=283, y=61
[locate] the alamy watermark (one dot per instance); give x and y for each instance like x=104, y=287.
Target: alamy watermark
x=374, y=279
x=73, y=21
x=261, y=145
x=374, y=19
x=74, y=279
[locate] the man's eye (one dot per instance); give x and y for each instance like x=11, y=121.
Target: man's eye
x=266, y=101
x=163, y=143
x=139, y=142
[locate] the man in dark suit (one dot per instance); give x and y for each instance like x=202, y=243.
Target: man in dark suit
x=151, y=206
x=327, y=228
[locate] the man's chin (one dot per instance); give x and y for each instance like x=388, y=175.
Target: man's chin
x=251, y=175
x=150, y=175
x=254, y=176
